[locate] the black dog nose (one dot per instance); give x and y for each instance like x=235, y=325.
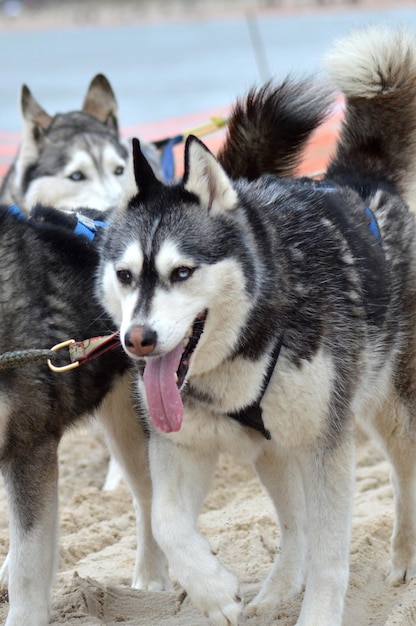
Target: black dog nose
x=140, y=340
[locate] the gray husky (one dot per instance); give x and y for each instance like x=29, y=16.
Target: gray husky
x=268, y=312
x=74, y=159
x=70, y=160
x=47, y=278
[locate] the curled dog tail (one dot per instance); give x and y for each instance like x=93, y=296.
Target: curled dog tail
x=268, y=129
x=375, y=69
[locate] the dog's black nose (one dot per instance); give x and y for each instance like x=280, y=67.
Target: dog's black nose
x=140, y=340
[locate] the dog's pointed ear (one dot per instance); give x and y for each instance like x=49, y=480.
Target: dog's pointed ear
x=33, y=114
x=205, y=178
x=139, y=176
x=36, y=122
x=144, y=176
x=100, y=102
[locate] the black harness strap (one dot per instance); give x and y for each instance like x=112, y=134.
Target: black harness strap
x=252, y=415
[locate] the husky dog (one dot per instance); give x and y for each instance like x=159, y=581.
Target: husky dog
x=47, y=280
x=268, y=313
x=43, y=266
x=70, y=159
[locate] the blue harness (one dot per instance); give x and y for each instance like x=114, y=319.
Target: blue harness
x=372, y=222
x=87, y=227
x=373, y=225
x=84, y=227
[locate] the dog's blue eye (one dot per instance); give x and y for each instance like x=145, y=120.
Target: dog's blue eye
x=119, y=170
x=76, y=176
x=125, y=277
x=181, y=273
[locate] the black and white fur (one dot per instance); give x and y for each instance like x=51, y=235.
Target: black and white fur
x=212, y=274
x=71, y=160
x=47, y=278
x=47, y=284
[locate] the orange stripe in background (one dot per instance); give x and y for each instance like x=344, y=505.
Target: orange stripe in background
x=316, y=156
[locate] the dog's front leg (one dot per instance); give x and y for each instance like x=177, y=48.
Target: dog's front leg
x=328, y=473
x=129, y=446
x=31, y=477
x=181, y=477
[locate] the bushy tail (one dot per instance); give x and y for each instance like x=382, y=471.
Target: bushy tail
x=375, y=69
x=268, y=129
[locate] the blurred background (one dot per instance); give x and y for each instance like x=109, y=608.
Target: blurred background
x=168, y=59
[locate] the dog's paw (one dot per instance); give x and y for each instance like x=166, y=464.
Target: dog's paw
x=152, y=579
x=400, y=575
x=151, y=573
x=403, y=565
x=218, y=598
x=281, y=585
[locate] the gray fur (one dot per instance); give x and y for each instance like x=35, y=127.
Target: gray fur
x=70, y=159
x=48, y=271
x=47, y=286
x=331, y=266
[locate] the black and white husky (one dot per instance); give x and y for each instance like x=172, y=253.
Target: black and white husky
x=47, y=282
x=268, y=314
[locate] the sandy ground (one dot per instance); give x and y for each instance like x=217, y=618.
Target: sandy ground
x=98, y=545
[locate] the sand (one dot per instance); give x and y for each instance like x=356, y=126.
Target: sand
x=98, y=545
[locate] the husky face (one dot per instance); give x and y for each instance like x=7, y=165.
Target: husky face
x=180, y=302
x=84, y=171
x=70, y=159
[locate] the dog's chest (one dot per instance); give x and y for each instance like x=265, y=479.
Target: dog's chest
x=293, y=404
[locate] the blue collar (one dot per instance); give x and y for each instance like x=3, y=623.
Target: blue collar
x=84, y=226
x=87, y=227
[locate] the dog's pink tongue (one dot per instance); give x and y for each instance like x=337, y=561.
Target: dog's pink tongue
x=162, y=393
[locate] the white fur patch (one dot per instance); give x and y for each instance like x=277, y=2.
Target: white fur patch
x=208, y=180
x=217, y=288
x=170, y=258
x=100, y=187
x=296, y=403
x=362, y=63
x=132, y=259
x=118, y=300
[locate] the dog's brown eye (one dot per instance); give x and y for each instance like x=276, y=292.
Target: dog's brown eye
x=119, y=170
x=125, y=277
x=76, y=176
x=181, y=273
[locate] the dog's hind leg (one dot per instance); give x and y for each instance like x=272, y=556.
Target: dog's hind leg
x=328, y=475
x=279, y=472
x=31, y=477
x=114, y=475
x=129, y=446
x=394, y=433
x=402, y=455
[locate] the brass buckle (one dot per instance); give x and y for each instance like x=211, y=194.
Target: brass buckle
x=63, y=368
